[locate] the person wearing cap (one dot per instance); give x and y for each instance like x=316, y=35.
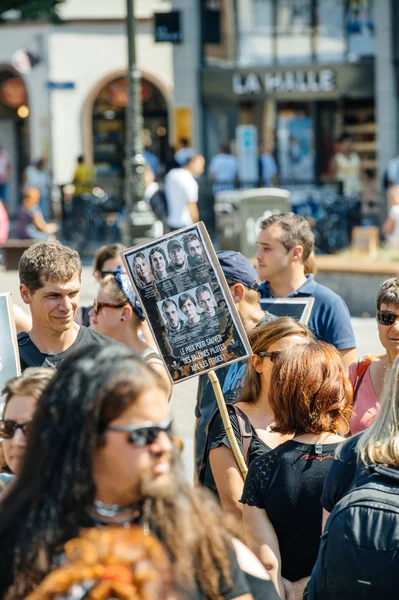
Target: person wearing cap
x=243, y=283
x=178, y=257
x=285, y=243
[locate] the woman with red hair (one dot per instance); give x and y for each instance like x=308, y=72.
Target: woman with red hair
x=310, y=396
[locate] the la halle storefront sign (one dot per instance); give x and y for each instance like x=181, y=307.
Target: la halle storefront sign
x=285, y=81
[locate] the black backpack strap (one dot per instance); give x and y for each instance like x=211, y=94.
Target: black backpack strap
x=28, y=352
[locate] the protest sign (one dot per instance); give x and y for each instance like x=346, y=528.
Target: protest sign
x=185, y=297
x=297, y=308
x=9, y=357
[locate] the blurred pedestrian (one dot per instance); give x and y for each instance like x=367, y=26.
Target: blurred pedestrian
x=345, y=169
x=223, y=169
x=184, y=153
x=267, y=166
x=171, y=162
x=4, y=224
x=310, y=398
x=83, y=177
x=391, y=225
x=5, y=174
x=152, y=160
x=181, y=189
x=36, y=176
x=31, y=222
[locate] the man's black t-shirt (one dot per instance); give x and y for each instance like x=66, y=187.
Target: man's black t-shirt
x=287, y=483
x=217, y=437
x=85, y=337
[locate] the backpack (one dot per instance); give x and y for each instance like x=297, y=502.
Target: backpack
x=359, y=551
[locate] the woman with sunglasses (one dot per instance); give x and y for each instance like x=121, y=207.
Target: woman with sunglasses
x=101, y=454
x=310, y=397
x=219, y=471
x=368, y=375
x=117, y=314
x=20, y=396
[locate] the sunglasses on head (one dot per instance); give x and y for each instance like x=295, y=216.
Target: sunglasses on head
x=145, y=433
x=386, y=317
x=9, y=427
x=97, y=306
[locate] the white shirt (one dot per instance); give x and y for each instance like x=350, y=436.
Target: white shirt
x=180, y=189
x=223, y=167
x=348, y=171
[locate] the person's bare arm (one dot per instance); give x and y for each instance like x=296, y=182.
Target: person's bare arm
x=228, y=479
x=193, y=210
x=158, y=366
x=261, y=538
x=388, y=226
x=349, y=355
x=41, y=224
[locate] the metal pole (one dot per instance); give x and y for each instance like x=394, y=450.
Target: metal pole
x=134, y=160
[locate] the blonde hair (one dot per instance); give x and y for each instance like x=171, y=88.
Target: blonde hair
x=380, y=442
x=31, y=383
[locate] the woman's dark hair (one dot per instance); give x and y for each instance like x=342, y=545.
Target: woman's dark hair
x=310, y=391
x=106, y=253
x=55, y=488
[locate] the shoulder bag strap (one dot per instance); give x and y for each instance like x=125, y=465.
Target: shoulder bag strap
x=362, y=367
x=28, y=352
x=246, y=431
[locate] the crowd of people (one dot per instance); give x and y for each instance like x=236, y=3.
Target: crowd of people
x=93, y=501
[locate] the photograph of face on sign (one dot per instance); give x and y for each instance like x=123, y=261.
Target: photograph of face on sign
x=183, y=292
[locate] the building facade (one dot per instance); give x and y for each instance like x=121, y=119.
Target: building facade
x=303, y=72
x=76, y=96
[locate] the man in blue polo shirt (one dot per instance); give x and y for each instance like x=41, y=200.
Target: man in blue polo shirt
x=284, y=244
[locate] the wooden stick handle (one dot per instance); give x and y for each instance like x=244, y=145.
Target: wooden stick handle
x=239, y=458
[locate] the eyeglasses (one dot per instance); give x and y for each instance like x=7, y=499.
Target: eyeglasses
x=386, y=317
x=145, y=433
x=9, y=427
x=271, y=355
x=97, y=306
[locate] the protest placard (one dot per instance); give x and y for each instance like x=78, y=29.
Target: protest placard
x=9, y=357
x=297, y=308
x=185, y=297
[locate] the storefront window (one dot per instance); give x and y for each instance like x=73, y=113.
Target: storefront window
x=255, y=32
x=295, y=145
x=329, y=31
x=360, y=27
x=294, y=31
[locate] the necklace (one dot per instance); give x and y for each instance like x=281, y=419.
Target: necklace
x=111, y=510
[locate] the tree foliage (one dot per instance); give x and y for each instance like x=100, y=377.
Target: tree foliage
x=32, y=9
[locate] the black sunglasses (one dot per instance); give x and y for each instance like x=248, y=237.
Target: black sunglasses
x=271, y=355
x=145, y=433
x=386, y=317
x=97, y=306
x=9, y=427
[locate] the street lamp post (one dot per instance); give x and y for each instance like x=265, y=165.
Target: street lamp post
x=134, y=160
